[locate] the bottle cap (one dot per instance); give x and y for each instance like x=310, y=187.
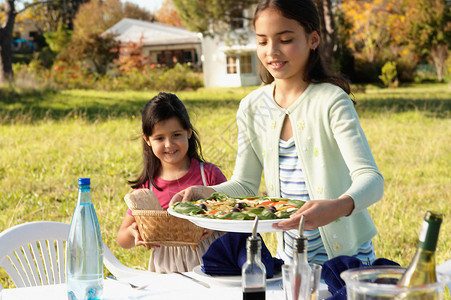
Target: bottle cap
x=84, y=181
x=300, y=242
x=254, y=241
x=254, y=244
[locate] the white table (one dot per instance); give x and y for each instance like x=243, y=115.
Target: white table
x=162, y=286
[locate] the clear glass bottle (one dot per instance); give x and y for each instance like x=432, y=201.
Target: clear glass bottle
x=254, y=271
x=302, y=272
x=84, y=249
x=422, y=267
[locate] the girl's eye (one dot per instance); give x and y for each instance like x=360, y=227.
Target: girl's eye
x=262, y=43
x=286, y=41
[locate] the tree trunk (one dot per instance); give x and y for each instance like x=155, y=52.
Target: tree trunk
x=6, y=33
x=439, y=55
x=327, y=30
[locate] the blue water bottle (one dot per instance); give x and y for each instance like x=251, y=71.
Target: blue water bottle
x=84, y=250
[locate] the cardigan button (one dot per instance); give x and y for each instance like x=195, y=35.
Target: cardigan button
x=273, y=124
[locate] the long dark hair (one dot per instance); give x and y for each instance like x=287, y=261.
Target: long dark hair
x=162, y=107
x=306, y=14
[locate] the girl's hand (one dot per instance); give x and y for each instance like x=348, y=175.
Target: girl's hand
x=192, y=193
x=318, y=213
x=136, y=235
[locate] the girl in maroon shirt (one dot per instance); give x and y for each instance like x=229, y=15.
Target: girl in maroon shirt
x=172, y=160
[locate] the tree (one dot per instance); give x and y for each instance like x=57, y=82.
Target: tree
x=168, y=15
x=6, y=33
x=68, y=8
x=327, y=33
x=429, y=24
x=368, y=32
x=89, y=43
x=48, y=14
x=108, y=13
x=93, y=49
x=210, y=16
x=131, y=57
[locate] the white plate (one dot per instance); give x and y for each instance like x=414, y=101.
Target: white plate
x=230, y=280
x=229, y=225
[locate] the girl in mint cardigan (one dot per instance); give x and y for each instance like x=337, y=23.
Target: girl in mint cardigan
x=302, y=131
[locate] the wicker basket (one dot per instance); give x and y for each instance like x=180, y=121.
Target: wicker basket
x=158, y=227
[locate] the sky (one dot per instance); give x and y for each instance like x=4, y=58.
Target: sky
x=150, y=5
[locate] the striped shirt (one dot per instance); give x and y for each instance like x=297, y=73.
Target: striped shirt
x=292, y=185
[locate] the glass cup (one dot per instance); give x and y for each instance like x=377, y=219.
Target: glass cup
x=287, y=275
x=316, y=278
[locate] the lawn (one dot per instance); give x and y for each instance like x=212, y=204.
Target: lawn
x=51, y=139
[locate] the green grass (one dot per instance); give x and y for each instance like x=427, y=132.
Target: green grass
x=49, y=139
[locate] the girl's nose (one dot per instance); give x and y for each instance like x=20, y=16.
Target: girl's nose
x=273, y=49
x=167, y=143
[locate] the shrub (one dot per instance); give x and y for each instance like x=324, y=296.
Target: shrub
x=76, y=76
x=389, y=74
x=180, y=77
x=81, y=76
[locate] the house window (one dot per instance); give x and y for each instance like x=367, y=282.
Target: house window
x=237, y=19
x=232, y=63
x=246, y=64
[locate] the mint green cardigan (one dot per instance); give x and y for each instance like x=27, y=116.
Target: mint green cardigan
x=331, y=146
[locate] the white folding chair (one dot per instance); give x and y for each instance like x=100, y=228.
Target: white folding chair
x=33, y=254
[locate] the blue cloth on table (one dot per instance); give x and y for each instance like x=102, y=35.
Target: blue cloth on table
x=332, y=269
x=227, y=254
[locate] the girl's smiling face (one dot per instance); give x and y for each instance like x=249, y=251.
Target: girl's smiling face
x=169, y=142
x=283, y=46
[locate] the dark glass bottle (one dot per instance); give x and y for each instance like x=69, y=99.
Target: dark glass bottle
x=254, y=271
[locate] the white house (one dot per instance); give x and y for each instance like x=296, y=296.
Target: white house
x=227, y=61
x=230, y=60
x=163, y=44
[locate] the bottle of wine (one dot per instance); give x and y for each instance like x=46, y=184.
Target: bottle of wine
x=253, y=271
x=84, y=249
x=422, y=267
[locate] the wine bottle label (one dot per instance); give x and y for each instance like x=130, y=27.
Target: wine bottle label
x=424, y=231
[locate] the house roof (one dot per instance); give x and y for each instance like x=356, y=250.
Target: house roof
x=153, y=33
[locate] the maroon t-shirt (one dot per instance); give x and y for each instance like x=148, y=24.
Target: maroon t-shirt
x=169, y=188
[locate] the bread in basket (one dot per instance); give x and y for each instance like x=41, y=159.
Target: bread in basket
x=157, y=226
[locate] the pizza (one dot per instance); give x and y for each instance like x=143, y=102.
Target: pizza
x=221, y=206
